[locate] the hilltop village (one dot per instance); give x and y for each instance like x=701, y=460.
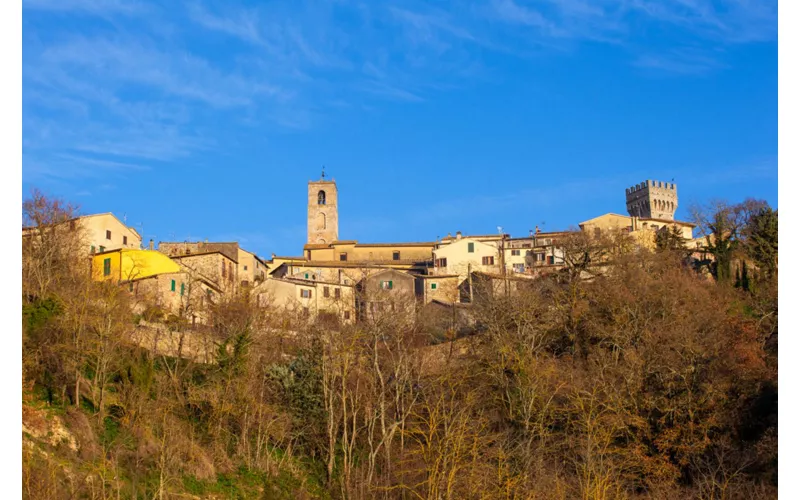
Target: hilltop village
x=345, y=281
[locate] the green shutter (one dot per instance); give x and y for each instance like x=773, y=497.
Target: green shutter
x=182, y=285
x=131, y=286
x=102, y=249
x=107, y=267
x=433, y=286
x=390, y=285
x=172, y=286
x=92, y=249
x=306, y=275
x=470, y=247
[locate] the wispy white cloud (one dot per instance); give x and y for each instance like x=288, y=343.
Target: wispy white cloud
x=139, y=89
x=97, y=7
x=679, y=62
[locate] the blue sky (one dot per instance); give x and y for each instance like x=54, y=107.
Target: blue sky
x=206, y=120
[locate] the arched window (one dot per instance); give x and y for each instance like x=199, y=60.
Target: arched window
x=322, y=221
x=321, y=198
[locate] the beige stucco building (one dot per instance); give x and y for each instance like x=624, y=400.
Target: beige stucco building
x=101, y=232
x=462, y=255
x=642, y=230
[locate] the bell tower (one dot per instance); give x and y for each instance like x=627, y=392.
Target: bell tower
x=323, y=211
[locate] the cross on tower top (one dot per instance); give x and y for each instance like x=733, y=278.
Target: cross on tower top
x=323, y=172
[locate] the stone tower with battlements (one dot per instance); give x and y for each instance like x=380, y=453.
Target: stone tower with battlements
x=323, y=211
x=652, y=200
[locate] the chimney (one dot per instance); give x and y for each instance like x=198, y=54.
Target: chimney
x=530, y=233
x=538, y=230
x=458, y=235
x=150, y=246
x=273, y=256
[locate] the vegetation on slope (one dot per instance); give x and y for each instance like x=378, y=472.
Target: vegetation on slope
x=645, y=381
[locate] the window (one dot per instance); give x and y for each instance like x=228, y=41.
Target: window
x=182, y=288
x=107, y=267
x=102, y=249
x=326, y=292
x=471, y=247
x=433, y=286
x=395, y=255
x=124, y=240
x=343, y=256
x=321, y=198
x=306, y=294
x=337, y=293
x=514, y=252
x=245, y=268
x=108, y=234
x=386, y=285
x=230, y=271
x=72, y=225
x=347, y=315
x=130, y=286
x=172, y=286
x=551, y=260
x=223, y=268
x=91, y=250
x=306, y=275
x=441, y=262
x=488, y=261
x=519, y=268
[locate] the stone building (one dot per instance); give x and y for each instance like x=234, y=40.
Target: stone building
x=216, y=266
x=388, y=292
x=305, y=300
x=437, y=287
x=652, y=200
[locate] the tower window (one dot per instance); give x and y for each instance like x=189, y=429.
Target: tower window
x=108, y=234
x=321, y=198
x=395, y=255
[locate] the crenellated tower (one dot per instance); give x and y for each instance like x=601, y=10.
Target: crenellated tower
x=652, y=200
